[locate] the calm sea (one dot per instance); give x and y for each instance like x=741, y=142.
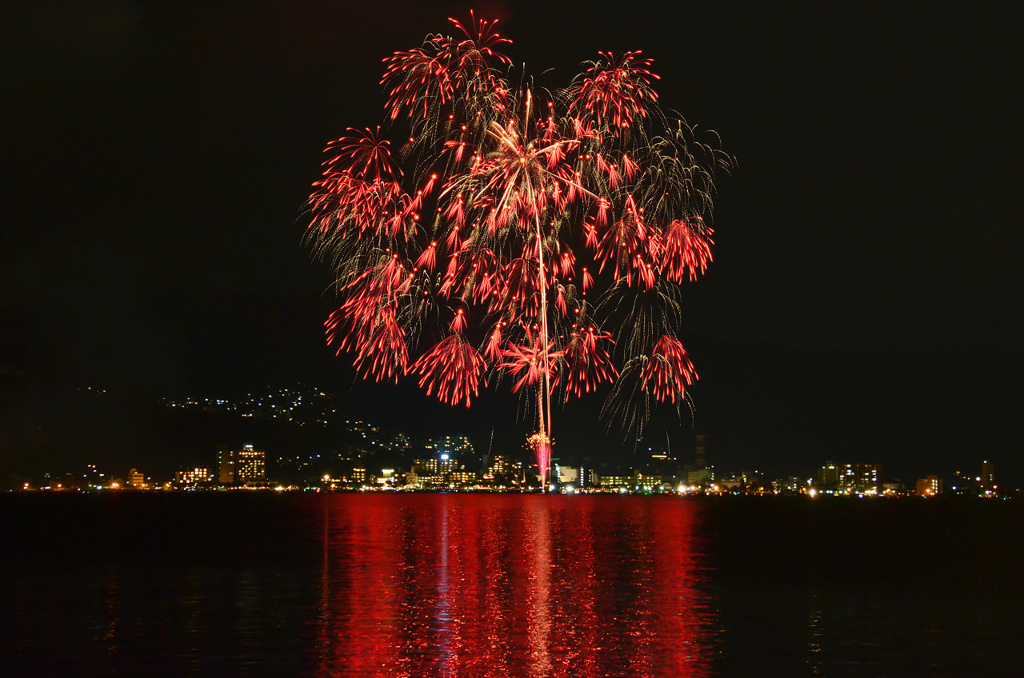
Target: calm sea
x=240, y=584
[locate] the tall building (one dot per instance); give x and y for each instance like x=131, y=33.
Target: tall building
x=582, y=476
x=225, y=465
x=701, y=474
x=700, y=461
x=237, y=467
x=860, y=477
x=987, y=480
x=250, y=465
x=828, y=475
x=442, y=471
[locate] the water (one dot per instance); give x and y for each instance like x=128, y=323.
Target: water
x=226, y=584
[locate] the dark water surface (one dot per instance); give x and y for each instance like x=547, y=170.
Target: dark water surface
x=232, y=584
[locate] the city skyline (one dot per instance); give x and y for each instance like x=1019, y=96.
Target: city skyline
x=503, y=473
x=281, y=420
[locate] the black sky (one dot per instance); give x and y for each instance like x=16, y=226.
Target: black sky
x=863, y=303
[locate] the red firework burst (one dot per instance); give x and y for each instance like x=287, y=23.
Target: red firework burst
x=453, y=368
x=614, y=90
x=475, y=246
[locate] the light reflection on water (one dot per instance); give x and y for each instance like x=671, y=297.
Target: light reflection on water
x=228, y=584
x=482, y=585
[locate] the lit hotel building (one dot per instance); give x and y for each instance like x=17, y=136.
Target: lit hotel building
x=505, y=468
x=237, y=467
x=444, y=471
x=858, y=478
x=195, y=476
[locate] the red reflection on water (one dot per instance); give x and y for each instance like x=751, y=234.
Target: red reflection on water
x=515, y=585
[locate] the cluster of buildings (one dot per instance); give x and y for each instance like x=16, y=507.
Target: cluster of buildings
x=983, y=485
x=451, y=463
x=368, y=457
x=864, y=479
x=867, y=480
x=236, y=467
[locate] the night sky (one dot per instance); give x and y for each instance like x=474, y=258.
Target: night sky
x=862, y=305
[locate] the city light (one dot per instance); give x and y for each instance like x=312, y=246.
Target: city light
x=451, y=463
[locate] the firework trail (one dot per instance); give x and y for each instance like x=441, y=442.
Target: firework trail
x=474, y=245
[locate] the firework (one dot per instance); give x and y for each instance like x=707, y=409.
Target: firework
x=538, y=234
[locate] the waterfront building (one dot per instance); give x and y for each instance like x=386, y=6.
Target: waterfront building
x=582, y=476
x=251, y=465
x=443, y=471
x=196, y=476
x=588, y=477
x=646, y=481
x=462, y=478
x=225, y=465
x=503, y=470
x=359, y=475
x=987, y=479
x=389, y=478
x=701, y=474
x=700, y=457
x=566, y=474
x=929, y=486
x=614, y=482
x=828, y=475
x=136, y=480
x=860, y=478
x=850, y=478
x=238, y=467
